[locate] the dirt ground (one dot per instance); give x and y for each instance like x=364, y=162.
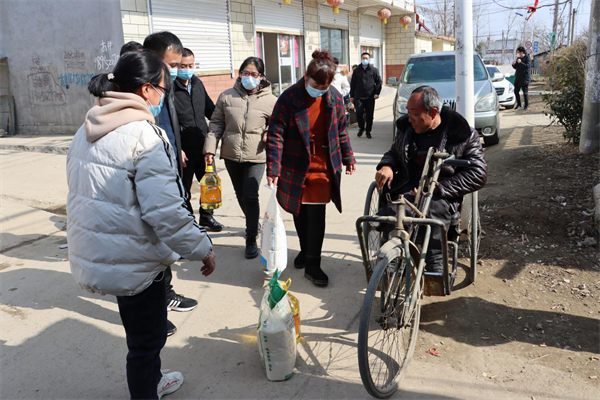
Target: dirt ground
x=537, y=296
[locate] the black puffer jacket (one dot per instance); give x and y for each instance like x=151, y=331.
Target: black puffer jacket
x=458, y=139
x=522, y=73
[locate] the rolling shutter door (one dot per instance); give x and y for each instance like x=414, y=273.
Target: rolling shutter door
x=273, y=15
x=370, y=30
x=327, y=17
x=201, y=25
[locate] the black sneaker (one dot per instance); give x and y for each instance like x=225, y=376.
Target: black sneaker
x=171, y=328
x=360, y=132
x=251, y=248
x=517, y=107
x=369, y=135
x=181, y=303
x=211, y=224
x=525, y=108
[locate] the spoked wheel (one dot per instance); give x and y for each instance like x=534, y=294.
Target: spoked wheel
x=372, y=237
x=388, y=332
x=474, y=236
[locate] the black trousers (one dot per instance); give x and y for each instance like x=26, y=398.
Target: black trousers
x=365, y=109
x=246, y=178
x=310, y=227
x=144, y=317
x=525, y=94
x=195, y=167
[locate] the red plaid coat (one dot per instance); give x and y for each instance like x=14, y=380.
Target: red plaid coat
x=288, y=144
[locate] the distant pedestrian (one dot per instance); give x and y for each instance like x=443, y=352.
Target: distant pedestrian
x=365, y=88
x=307, y=147
x=340, y=82
x=194, y=106
x=240, y=122
x=522, y=76
x=168, y=47
x=125, y=220
x=131, y=46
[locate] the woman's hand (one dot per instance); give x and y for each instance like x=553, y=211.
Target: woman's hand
x=209, y=158
x=272, y=180
x=183, y=159
x=350, y=169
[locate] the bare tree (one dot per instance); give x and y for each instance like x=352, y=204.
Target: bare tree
x=477, y=15
x=439, y=17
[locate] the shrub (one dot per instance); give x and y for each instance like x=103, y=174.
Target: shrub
x=566, y=74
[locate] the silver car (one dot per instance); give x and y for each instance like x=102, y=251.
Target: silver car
x=438, y=70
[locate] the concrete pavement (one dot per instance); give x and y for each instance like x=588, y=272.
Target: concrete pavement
x=58, y=341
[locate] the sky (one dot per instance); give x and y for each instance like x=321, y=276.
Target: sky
x=497, y=15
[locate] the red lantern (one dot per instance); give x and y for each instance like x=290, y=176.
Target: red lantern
x=405, y=21
x=287, y=1
x=336, y=5
x=384, y=14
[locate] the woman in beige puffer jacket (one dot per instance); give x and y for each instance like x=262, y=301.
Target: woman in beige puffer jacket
x=240, y=121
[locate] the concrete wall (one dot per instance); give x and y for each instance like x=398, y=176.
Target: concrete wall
x=423, y=45
x=400, y=44
x=51, y=63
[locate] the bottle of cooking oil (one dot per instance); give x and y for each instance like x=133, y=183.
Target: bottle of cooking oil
x=295, y=306
x=210, y=189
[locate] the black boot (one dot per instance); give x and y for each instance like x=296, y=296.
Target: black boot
x=360, y=132
x=300, y=260
x=314, y=273
x=251, y=247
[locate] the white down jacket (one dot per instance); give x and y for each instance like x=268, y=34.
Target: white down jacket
x=127, y=219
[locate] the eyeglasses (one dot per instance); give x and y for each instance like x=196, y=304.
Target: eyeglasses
x=163, y=90
x=250, y=73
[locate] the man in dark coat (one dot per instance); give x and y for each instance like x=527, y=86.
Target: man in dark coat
x=522, y=76
x=427, y=125
x=365, y=88
x=193, y=107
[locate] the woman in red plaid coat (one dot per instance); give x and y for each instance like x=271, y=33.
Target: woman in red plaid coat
x=307, y=145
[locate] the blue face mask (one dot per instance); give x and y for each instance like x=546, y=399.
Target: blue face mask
x=250, y=83
x=364, y=62
x=155, y=110
x=185, y=74
x=173, y=72
x=315, y=92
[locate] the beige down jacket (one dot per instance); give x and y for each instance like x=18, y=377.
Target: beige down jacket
x=240, y=121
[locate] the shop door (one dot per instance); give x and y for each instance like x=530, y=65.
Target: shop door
x=287, y=73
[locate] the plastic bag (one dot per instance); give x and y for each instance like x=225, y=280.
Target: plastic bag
x=276, y=336
x=273, y=242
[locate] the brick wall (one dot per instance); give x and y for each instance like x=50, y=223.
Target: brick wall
x=217, y=84
x=312, y=36
x=400, y=45
x=354, y=39
x=242, y=31
x=134, y=16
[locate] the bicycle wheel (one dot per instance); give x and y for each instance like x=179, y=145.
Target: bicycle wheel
x=385, y=346
x=474, y=236
x=371, y=236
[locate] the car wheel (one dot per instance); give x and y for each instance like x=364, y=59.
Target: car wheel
x=491, y=140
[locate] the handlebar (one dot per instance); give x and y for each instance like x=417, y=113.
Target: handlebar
x=458, y=163
x=444, y=156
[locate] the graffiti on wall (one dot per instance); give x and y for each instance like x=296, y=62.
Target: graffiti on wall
x=43, y=89
x=107, y=59
x=74, y=59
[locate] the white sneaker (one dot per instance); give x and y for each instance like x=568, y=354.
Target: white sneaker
x=169, y=383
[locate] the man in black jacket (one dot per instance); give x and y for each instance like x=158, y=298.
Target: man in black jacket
x=193, y=107
x=365, y=88
x=427, y=125
x=522, y=77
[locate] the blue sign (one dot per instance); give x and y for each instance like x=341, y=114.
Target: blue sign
x=536, y=46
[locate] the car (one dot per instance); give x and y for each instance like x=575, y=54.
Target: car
x=504, y=89
x=437, y=69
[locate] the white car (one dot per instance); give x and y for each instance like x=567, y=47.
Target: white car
x=504, y=89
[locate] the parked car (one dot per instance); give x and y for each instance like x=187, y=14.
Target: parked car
x=504, y=89
x=438, y=70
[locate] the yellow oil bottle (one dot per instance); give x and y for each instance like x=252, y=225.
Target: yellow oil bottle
x=295, y=306
x=210, y=189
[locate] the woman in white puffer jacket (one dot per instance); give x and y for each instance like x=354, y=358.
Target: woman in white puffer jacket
x=127, y=219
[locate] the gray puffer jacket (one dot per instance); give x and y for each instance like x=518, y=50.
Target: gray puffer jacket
x=127, y=219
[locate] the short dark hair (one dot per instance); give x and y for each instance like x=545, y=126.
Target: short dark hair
x=133, y=69
x=322, y=68
x=430, y=98
x=355, y=66
x=187, y=52
x=131, y=46
x=365, y=53
x=160, y=42
x=336, y=61
x=257, y=62
x=521, y=49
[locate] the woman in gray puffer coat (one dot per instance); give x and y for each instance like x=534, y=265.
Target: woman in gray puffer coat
x=126, y=213
x=240, y=122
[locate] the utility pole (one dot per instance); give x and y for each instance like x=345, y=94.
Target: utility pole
x=502, y=58
x=555, y=25
x=572, y=27
x=590, y=124
x=569, y=36
x=445, y=17
x=464, y=60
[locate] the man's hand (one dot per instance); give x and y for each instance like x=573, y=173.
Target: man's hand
x=183, y=159
x=384, y=176
x=376, y=96
x=350, y=169
x=209, y=264
x=518, y=60
x=272, y=180
x=352, y=100
x=209, y=158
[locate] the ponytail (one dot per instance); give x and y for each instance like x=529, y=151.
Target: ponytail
x=100, y=85
x=322, y=67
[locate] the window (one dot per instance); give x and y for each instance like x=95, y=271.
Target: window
x=438, y=69
x=336, y=41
